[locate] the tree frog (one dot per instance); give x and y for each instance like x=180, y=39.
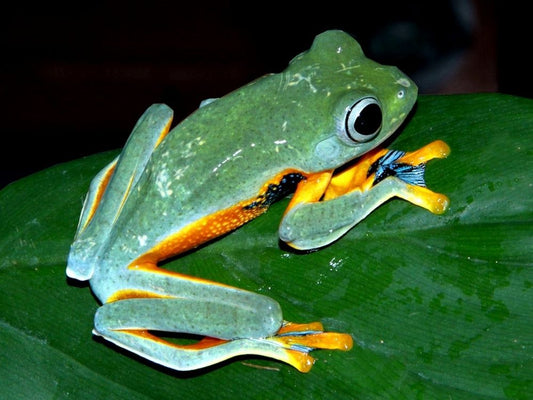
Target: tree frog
x=170, y=191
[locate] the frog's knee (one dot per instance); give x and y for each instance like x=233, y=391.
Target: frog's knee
x=263, y=319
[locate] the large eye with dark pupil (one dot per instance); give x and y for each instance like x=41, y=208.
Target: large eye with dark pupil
x=363, y=120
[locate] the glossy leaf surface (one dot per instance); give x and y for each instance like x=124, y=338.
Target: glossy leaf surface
x=438, y=306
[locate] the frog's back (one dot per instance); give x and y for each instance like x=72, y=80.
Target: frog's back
x=209, y=162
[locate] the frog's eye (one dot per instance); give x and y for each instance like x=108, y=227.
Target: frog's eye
x=363, y=120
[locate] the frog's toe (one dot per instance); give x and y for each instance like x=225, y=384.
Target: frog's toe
x=437, y=203
x=435, y=149
x=312, y=335
x=300, y=339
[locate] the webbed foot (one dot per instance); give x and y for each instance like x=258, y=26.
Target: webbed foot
x=299, y=340
x=409, y=167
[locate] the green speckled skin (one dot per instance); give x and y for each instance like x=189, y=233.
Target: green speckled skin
x=222, y=154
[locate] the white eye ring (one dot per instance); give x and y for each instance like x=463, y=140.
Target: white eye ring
x=363, y=120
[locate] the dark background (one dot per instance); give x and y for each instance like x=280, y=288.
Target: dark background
x=76, y=76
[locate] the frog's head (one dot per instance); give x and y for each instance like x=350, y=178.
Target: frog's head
x=354, y=103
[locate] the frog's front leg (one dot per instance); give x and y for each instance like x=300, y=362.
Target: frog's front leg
x=231, y=322
x=355, y=192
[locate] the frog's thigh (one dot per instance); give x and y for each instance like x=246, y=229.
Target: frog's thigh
x=148, y=132
x=312, y=225
x=248, y=316
x=236, y=323
x=124, y=171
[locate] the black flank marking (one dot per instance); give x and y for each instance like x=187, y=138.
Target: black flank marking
x=275, y=192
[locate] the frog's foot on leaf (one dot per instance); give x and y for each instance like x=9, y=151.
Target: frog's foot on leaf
x=410, y=168
x=354, y=192
x=300, y=339
x=380, y=164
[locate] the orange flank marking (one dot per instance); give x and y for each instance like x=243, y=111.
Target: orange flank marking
x=124, y=197
x=204, y=343
x=99, y=193
x=154, y=269
x=199, y=232
x=136, y=294
x=206, y=229
x=164, y=132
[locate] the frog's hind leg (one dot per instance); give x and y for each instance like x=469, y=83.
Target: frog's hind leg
x=119, y=177
x=111, y=187
x=232, y=322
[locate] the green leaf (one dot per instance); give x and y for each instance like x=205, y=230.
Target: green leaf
x=438, y=306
